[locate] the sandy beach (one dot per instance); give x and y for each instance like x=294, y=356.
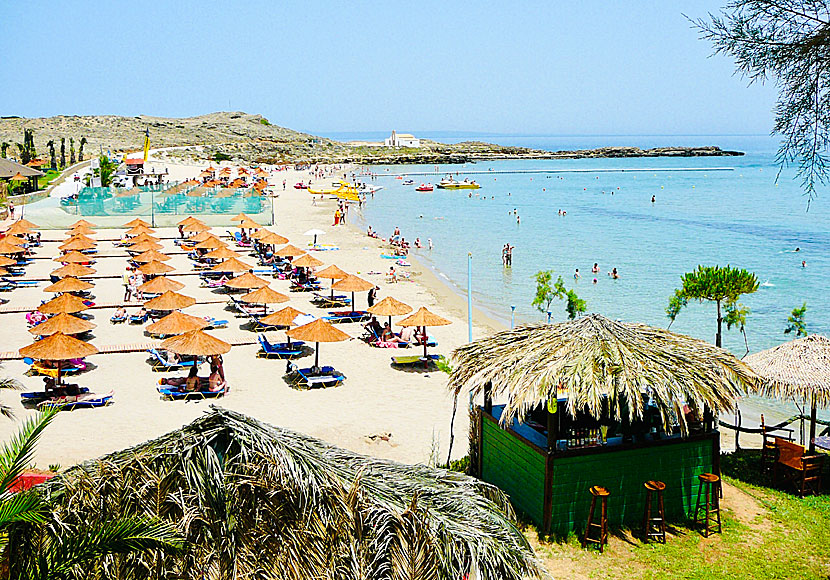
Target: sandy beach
x=414, y=407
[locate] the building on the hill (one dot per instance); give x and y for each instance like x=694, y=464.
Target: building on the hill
x=402, y=140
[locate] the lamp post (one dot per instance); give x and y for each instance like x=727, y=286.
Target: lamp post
x=469, y=296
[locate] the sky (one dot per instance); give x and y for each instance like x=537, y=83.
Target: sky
x=574, y=68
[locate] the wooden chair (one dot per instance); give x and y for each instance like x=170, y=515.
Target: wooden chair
x=602, y=527
x=803, y=471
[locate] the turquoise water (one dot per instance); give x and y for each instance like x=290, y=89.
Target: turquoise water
x=739, y=217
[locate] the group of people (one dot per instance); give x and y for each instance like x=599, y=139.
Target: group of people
x=595, y=270
x=377, y=333
x=507, y=255
x=341, y=213
x=132, y=279
x=214, y=382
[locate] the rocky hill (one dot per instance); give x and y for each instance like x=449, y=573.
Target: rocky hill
x=252, y=138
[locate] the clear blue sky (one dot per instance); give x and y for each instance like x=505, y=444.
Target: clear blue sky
x=586, y=67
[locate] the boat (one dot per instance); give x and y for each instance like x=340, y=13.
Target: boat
x=300, y=185
x=452, y=184
x=367, y=188
x=346, y=191
x=424, y=187
x=409, y=182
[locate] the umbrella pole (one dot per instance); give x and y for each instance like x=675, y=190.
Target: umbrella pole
x=424, y=338
x=353, y=308
x=317, y=354
x=813, y=427
x=58, y=382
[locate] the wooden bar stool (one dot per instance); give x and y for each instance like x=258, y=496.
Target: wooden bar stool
x=654, y=527
x=602, y=493
x=711, y=483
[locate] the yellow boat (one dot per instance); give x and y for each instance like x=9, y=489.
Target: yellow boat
x=345, y=191
x=452, y=184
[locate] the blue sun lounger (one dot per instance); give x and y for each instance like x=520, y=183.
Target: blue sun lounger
x=279, y=349
x=328, y=377
x=162, y=364
x=347, y=316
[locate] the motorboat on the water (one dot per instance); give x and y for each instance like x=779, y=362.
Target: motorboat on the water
x=452, y=184
x=409, y=182
x=367, y=188
x=424, y=187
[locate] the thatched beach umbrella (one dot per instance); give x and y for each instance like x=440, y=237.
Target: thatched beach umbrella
x=593, y=357
x=160, y=285
x=798, y=370
x=4, y=261
x=284, y=317
x=136, y=222
x=317, y=332
x=63, y=323
x=170, y=300
x=138, y=230
x=306, y=261
x=68, y=303
x=82, y=223
x=248, y=280
x=352, y=284
x=222, y=253
x=69, y=284
x=195, y=227
x=390, y=307
x=58, y=347
x=18, y=228
x=75, y=270
x=240, y=217
x=83, y=238
x=154, y=268
x=332, y=273
x=76, y=245
x=81, y=229
x=201, y=237
x=289, y=251
x=142, y=238
x=151, y=256
x=190, y=220
x=144, y=246
x=249, y=224
x=73, y=257
x=6, y=247
x=424, y=318
x=264, y=296
x=231, y=266
x=270, y=238
x=212, y=243
x=196, y=343
x=177, y=323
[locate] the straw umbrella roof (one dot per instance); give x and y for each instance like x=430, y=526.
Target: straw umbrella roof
x=272, y=238
x=4, y=261
x=231, y=265
x=151, y=256
x=82, y=223
x=390, y=307
x=177, y=323
x=240, y=217
x=211, y=244
x=144, y=246
x=68, y=303
x=332, y=273
x=143, y=238
x=160, y=285
x=289, y=250
x=18, y=177
x=76, y=244
x=424, y=318
x=249, y=223
x=306, y=261
x=18, y=228
x=27, y=223
x=76, y=270
x=79, y=230
x=196, y=343
x=195, y=227
x=355, y=284
x=81, y=237
x=68, y=284
x=3, y=271
x=154, y=268
x=264, y=295
x=190, y=220
x=284, y=317
x=7, y=247
x=63, y=323
x=246, y=280
x=222, y=253
x=201, y=236
x=73, y=257
x=136, y=230
x=591, y=358
x=169, y=301
x=58, y=347
x=136, y=222
x=318, y=331
x=798, y=369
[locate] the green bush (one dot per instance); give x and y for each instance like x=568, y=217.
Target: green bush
x=265, y=121
x=221, y=157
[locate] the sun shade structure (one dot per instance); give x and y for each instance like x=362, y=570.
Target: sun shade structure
x=306, y=261
x=82, y=223
x=76, y=245
x=75, y=270
x=201, y=237
x=592, y=358
x=69, y=284
x=138, y=230
x=4, y=261
x=63, y=323
x=332, y=272
x=424, y=318
x=269, y=238
x=64, y=303
x=58, y=347
x=232, y=265
x=144, y=246
x=390, y=307
x=154, y=268
x=160, y=285
x=142, y=238
x=289, y=251
x=797, y=370
x=190, y=219
x=136, y=222
x=7, y=247
x=317, y=332
x=26, y=223
x=177, y=323
x=273, y=470
x=73, y=257
x=211, y=244
x=222, y=253
x=86, y=230
x=315, y=233
x=151, y=256
x=352, y=284
x=246, y=281
x=83, y=238
x=264, y=296
x=284, y=317
x=249, y=224
x=196, y=343
x=240, y=217
x=170, y=301
x=196, y=227
x=18, y=228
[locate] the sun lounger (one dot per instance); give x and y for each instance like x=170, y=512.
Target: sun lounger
x=84, y=400
x=160, y=363
x=19, y=283
x=174, y=394
x=327, y=377
x=323, y=301
x=404, y=361
x=213, y=323
x=342, y=316
x=139, y=319
x=279, y=349
x=35, y=397
x=307, y=287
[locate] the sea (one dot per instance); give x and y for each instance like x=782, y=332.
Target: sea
x=743, y=211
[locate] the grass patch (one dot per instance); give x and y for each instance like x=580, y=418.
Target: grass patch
x=48, y=178
x=767, y=534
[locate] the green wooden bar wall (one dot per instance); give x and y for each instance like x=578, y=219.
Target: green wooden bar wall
x=519, y=469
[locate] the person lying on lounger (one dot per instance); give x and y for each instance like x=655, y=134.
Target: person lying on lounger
x=388, y=336
x=120, y=314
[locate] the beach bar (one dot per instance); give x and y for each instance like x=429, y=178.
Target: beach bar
x=594, y=402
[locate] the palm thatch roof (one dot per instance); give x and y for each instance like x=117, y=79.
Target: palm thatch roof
x=18, y=228
x=154, y=267
x=211, y=243
x=190, y=220
x=390, y=307
x=138, y=230
x=799, y=369
x=68, y=303
x=76, y=270
x=300, y=508
x=76, y=244
x=196, y=343
x=144, y=246
x=136, y=222
x=82, y=223
x=58, y=346
x=142, y=238
x=7, y=247
x=151, y=256
x=592, y=358
x=248, y=280
x=231, y=265
x=306, y=261
x=264, y=295
x=318, y=331
x=177, y=323
x=68, y=284
x=352, y=283
x=169, y=301
x=270, y=238
x=80, y=229
x=332, y=272
x=423, y=317
x=63, y=323
x=72, y=257
x=284, y=317
x=222, y=253
x=160, y=285
x=289, y=251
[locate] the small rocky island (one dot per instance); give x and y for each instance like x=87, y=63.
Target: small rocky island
x=251, y=138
